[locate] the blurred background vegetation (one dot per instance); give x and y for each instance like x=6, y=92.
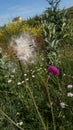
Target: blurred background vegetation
x=34, y=26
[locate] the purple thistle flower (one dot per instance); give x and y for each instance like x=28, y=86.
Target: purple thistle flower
x=53, y=69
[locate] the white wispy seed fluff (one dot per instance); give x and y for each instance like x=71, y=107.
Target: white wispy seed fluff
x=24, y=47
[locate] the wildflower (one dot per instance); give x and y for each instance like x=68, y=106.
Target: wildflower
x=64, y=74
x=70, y=94
x=45, y=69
x=22, y=82
x=17, y=113
x=39, y=69
x=33, y=76
x=20, y=123
x=25, y=75
x=19, y=83
x=27, y=79
x=9, y=81
x=54, y=70
x=42, y=59
x=62, y=104
x=70, y=86
x=12, y=76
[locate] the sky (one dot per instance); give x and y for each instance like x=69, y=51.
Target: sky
x=10, y=9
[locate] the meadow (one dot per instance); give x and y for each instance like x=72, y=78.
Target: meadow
x=36, y=73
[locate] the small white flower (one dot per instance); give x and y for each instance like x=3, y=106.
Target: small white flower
x=62, y=104
x=70, y=94
x=42, y=59
x=64, y=74
x=19, y=83
x=33, y=76
x=12, y=76
x=9, y=81
x=39, y=69
x=70, y=86
x=17, y=113
x=25, y=75
x=27, y=79
x=20, y=123
x=45, y=69
x=22, y=82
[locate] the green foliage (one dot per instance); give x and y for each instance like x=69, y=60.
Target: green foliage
x=55, y=31
x=70, y=13
x=34, y=22
x=20, y=95
x=31, y=97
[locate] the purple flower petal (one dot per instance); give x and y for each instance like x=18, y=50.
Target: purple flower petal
x=54, y=70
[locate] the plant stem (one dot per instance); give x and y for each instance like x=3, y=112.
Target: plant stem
x=59, y=84
x=49, y=99
x=53, y=118
x=36, y=107
x=21, y=68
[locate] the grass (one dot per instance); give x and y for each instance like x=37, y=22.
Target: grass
x=34, y=100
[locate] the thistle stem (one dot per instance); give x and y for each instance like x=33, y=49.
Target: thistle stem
x=49, y=99
x=21, y=68
x=36, y=107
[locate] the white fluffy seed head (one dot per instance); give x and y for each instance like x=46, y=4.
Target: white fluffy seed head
x=24, y=48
